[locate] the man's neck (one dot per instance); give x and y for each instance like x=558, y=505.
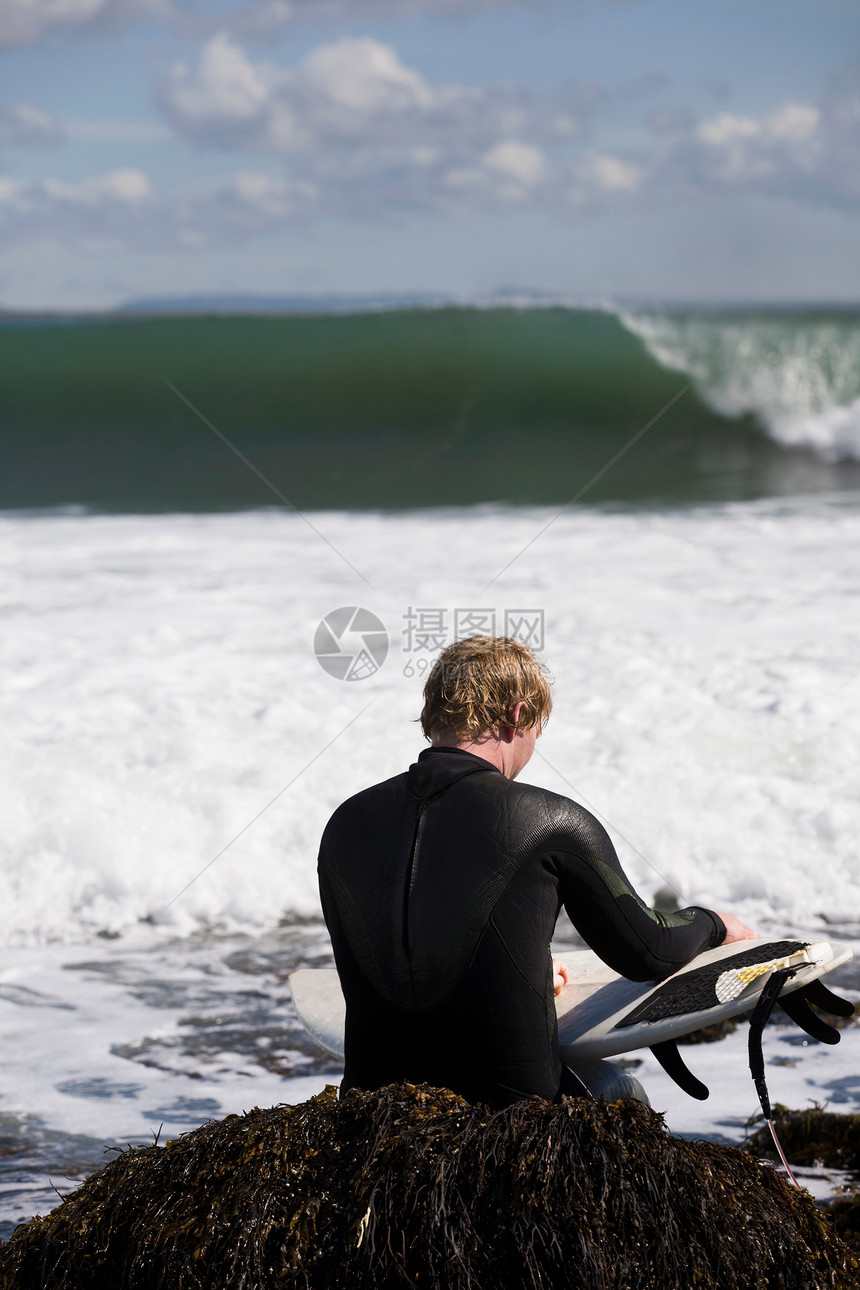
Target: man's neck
x=503, y=749
x=488, y=748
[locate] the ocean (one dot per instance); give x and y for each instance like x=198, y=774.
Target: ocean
x=175, y=737
x=428, y=407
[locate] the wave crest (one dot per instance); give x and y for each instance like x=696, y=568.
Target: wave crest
x=800, y=377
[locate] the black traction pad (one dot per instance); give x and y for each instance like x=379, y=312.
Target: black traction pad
x=696, y=991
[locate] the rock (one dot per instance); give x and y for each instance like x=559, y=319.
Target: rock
x=812, y=1137
x=825, y=1140
x=412, y=1186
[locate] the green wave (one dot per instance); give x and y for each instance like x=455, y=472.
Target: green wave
x=421, y=407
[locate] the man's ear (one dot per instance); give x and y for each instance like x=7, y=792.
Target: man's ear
x=509, y=731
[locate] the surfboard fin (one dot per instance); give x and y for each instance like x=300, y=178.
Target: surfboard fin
x=817, y=992
x=676, y=1068
x=796, y=1006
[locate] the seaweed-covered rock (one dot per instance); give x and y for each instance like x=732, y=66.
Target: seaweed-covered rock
x=413, y=1187
x=812, y=1137
x=844, y=1214
x=826, y=1139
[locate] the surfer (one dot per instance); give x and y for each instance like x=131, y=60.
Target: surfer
x=441, y=888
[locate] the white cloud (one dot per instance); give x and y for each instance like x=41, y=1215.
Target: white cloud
x=10, y=191
x=369, y=133
x=351, y=91
x=725, y=129
x=264, y=196
x=347, y=92
x=805, y=151
x=372, y=137
x=115, y=204
x=353, y=133
x=520, y=161
x=364, y=76
x=225, y=90
x=507, y=173
x=611, y=174
x=24, y=21
x=22, y=124
x=121, y=207
x=25, y=125
x=127, y=186
x=794, y=122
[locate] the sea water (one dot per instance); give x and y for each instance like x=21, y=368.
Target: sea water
x=683, y=552
x=173, y=747
x=429, y=407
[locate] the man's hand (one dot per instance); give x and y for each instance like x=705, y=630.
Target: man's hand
x=560, y=976
x=735, y=930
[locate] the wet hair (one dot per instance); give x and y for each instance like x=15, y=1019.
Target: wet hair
x=475, y=682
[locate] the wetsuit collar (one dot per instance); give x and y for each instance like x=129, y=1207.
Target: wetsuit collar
x=438, y=768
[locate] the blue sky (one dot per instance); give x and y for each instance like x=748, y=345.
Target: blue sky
x=587, y=147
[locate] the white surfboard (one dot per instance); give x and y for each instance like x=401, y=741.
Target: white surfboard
x=321, y=1006
x=601, y=1014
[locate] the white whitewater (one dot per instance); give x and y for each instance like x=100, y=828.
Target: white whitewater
x=163, y=699
x=799, y=375
x=162, y=689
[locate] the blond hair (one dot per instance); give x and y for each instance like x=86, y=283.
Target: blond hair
x=474, y=683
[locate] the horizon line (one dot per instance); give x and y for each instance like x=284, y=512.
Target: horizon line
x=242, y=303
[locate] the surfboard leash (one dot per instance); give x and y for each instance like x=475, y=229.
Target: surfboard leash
x=797, y=1007
x=758, y=1021
x=730, y=985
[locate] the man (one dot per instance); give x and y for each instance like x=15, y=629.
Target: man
x=441, y=889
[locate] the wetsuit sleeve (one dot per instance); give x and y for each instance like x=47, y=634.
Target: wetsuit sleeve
x=640, y=943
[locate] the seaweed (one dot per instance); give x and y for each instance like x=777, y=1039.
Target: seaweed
x=844, y=1214
x=824, y=1139
x=411, y=1186
x=811, y=1137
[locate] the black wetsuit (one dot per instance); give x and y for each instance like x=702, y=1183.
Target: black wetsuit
x=441, y=888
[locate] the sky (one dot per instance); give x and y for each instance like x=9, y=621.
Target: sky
x=591, y=149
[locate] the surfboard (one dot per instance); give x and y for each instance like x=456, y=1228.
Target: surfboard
x=601, y=1014
x=321, y=1007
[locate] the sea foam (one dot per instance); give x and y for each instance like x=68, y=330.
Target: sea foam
x=799, y=375
x=172, y=747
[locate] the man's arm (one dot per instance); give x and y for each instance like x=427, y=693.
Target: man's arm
x=640, y=943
